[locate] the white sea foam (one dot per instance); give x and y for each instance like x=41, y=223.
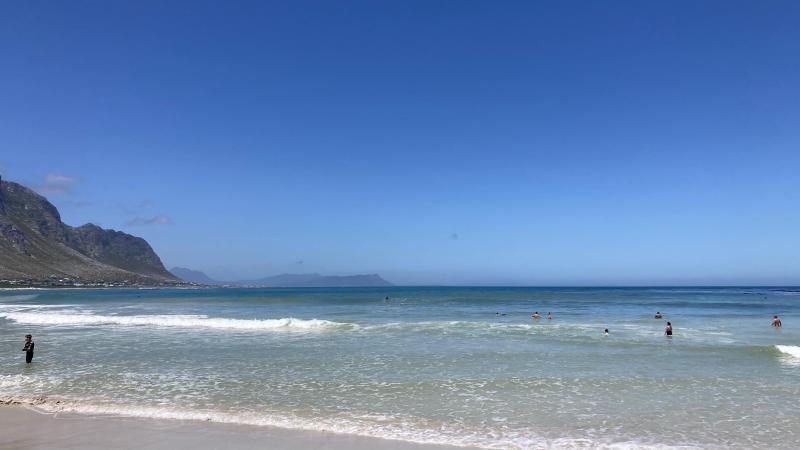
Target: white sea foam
x=13, y=384
x=178, y=321
x=791, y=350
x=399, y=428
x=31, y=314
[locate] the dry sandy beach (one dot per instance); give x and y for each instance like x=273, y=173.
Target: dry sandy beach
x=24, y=428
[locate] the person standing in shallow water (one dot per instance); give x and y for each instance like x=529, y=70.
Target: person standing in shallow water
x=28, y=348
x=776, y=322
x=668, y=329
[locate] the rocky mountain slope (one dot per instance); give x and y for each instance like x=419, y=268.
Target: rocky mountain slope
x=36, y=247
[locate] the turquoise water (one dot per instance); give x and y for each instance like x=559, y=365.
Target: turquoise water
x=436, y=365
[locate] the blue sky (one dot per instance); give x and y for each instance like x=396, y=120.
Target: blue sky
x=541, y=143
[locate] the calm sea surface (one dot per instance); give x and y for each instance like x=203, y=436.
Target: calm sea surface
x=465, y=366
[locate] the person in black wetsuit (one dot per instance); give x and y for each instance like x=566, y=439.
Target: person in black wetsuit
x=668, y=329
x=28, y=348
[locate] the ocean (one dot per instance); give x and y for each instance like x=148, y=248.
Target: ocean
x=460, y=366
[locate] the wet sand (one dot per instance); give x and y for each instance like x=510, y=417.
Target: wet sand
x=24, y=428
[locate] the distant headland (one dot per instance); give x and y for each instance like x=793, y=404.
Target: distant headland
x=286, y=280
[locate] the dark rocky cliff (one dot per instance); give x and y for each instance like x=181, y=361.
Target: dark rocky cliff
x=36, y=245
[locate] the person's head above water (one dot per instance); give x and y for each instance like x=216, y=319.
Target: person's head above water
x=28, y=336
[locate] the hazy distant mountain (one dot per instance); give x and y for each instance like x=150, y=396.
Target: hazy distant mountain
x=317, y=280
x=192, y=276
x=37, y=247
x=287, y=280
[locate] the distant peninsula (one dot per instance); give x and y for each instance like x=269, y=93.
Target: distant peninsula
x=287, y=280
x=37, y=249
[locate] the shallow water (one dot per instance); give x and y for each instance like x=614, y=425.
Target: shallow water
x=435, y=365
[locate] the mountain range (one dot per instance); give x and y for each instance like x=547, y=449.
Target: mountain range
x=287, y=280
x=37, y=248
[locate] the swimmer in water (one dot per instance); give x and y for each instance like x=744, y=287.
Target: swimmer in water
x=536, y=315
x=28, y=348
x=549, y=316
x=776, y=322
x=668, y=329
x=658, y=315
x=606, y=332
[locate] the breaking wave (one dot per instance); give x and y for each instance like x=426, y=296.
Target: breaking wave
x=176, y=321
x=791, y=350
x=44, y=315
x=18, y=298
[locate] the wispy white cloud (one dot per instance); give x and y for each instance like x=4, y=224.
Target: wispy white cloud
x=57, y=183
x=135, y=208
x=160, y=219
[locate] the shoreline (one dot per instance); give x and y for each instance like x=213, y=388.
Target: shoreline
x=26, y=427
